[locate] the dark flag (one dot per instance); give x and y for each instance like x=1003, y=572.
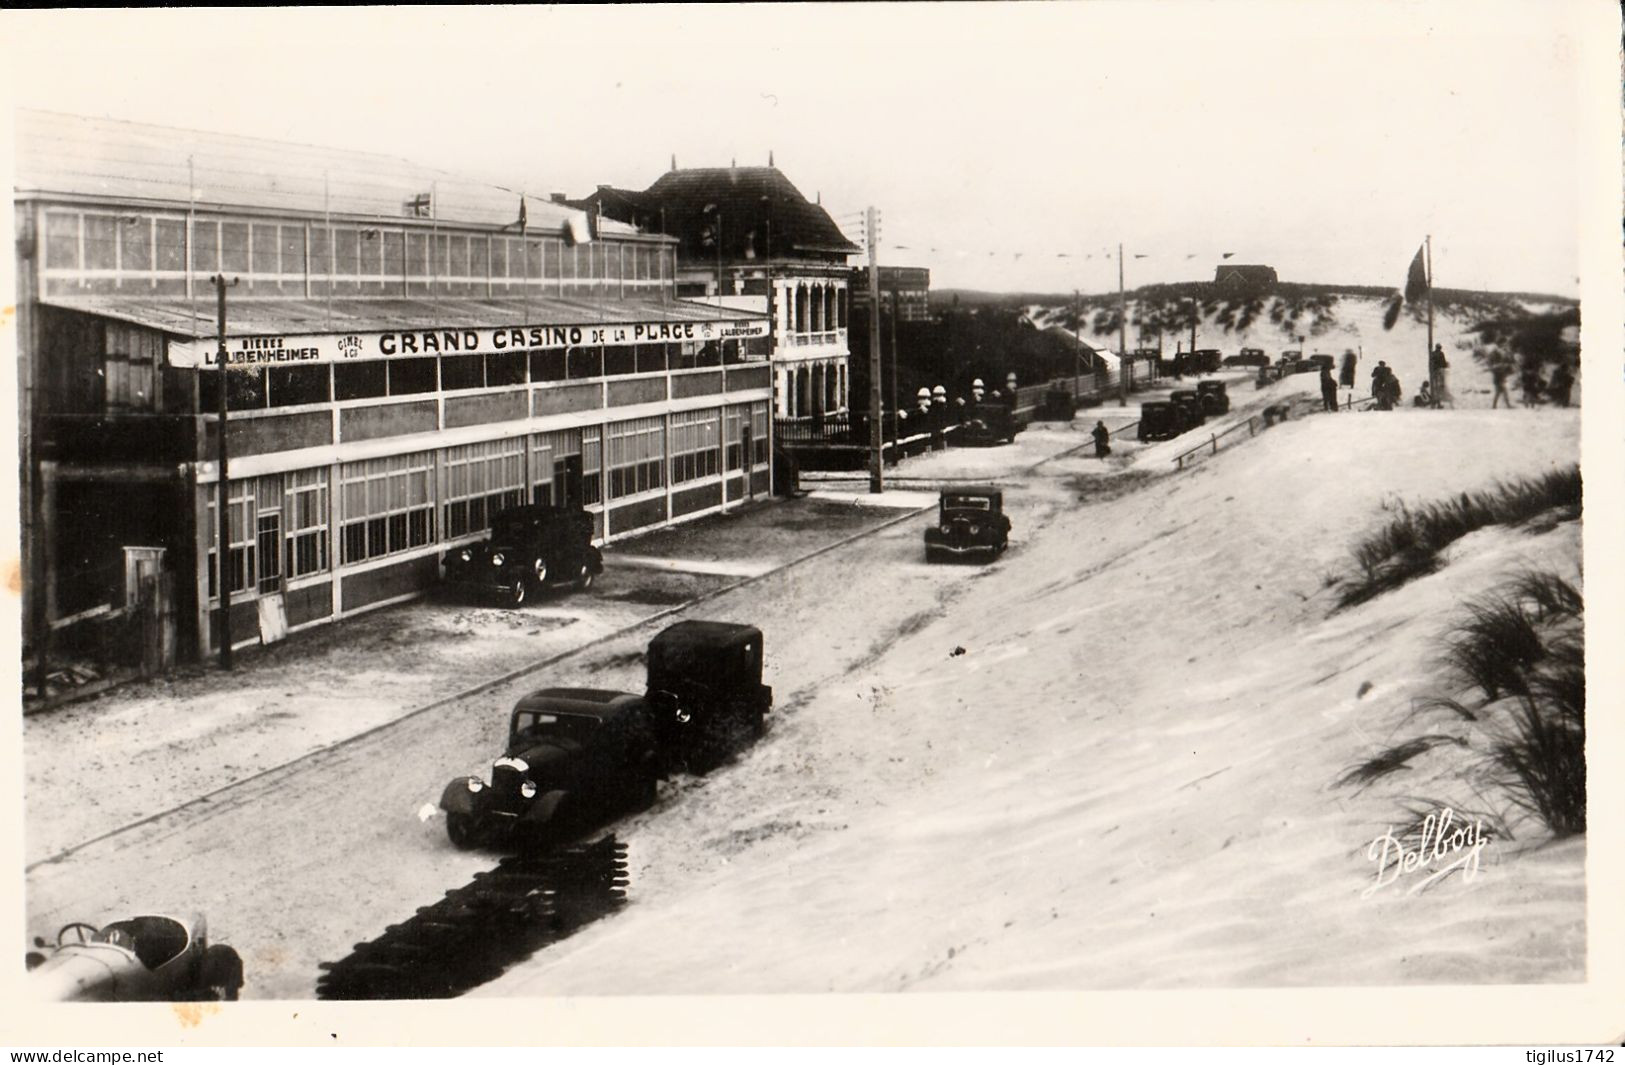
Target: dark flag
x=1227, y=255
x=1416, y=282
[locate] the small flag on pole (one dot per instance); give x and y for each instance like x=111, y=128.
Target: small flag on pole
x=1227, y=255
x=521, y=214
x=1416, y=281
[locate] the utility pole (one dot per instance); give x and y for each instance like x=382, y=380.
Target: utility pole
x=223, y=488
x=876, y=477
x=1126, y=366
x=896, y=310
x=1077, y=332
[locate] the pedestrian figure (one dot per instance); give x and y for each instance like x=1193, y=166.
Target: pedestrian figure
x=1424, y=398
x=1346, y=377
x=1102, y=440
x=1328, y=389
x=1562, y=384
x=1438, y=377
x=1530, y=384
x=1500, y=370
x=1379, y=378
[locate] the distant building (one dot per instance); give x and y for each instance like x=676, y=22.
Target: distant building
x=909, y=287
x=409, y=352
x=1244, y=277
x=747, y=231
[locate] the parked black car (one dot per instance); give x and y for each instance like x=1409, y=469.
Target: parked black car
x=1315, y=362
x=529, y=548
x=970, y=521
x=1059, y=405
x=1192, y=405
x=1160, y=420
x=1207, y=360
x=1248, y=357
x=578, y=755
x=1215, y=400
x=988, y=424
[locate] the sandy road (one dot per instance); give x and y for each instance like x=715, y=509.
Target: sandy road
x=295, y=866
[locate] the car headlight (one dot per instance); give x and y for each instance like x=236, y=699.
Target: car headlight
x=475, y=784
x=497, y=559
x=945, y=529
x=974, y=529
x=527, y=790
x=467, y=555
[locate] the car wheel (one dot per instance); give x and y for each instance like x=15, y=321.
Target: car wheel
x=222, y=973
x=462, y=830
x=517, y=593
x=585, y=578
x=538, y=571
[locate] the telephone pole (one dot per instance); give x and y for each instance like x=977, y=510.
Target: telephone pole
x=222, y=496
x=876, y=477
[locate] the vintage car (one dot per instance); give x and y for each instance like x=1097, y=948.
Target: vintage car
x=577, y=755
x=529, y=548
x=573, y=754
x=705, y=679
x=1059, y=405
x=1192, y=405
x=970, y=521
x=152, y=958
x=1215, y=400
x=1161, y=420
x=988, y=424
x=1248, y=357
x=1207, y=360
x=1315, y=362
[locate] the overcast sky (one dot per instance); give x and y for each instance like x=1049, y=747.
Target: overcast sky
x=1002, y=143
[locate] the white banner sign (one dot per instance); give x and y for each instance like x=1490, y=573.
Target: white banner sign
x=415, y=343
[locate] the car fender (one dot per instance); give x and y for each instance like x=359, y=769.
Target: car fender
x=457, y=799
x=595, y=560
x=545, y=807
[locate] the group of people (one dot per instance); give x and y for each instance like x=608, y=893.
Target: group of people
x=1559, y=389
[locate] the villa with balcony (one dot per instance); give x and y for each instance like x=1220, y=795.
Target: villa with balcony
x=746, y=236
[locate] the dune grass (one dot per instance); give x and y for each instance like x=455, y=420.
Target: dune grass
x=1518, y=654
x=1408, y=546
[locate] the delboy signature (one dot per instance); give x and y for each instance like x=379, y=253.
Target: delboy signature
x=1443, y=839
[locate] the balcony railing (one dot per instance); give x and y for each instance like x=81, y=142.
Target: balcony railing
x=805, y=340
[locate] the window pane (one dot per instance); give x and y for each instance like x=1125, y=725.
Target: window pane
x=409, y=376
x=462, y=371
x=505, y=368
x=360, y=380
x=291, y=385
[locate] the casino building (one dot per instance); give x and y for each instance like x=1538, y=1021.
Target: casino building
x=407, y=352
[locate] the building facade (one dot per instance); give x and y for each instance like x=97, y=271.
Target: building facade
x=748, y=231
x=907, y=288
x=406, y=353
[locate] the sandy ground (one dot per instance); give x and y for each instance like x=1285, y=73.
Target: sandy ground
x=146, y=748
x=1103, y=762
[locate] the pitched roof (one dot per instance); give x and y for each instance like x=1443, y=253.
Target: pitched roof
x=763, y=214
x=133, y=161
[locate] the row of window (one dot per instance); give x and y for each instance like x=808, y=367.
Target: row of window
x=142, y=244
x=284, y=386
x=280, y=524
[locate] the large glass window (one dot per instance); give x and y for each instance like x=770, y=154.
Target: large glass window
x=387, y=505
x=480, y=481
x=695, y=450
x=292, y=385
x=306, y=515
x=240, y=569
x=636, y=453
x=462, y=371
x=361, y=380
x=504, y=368
x=411, y=376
